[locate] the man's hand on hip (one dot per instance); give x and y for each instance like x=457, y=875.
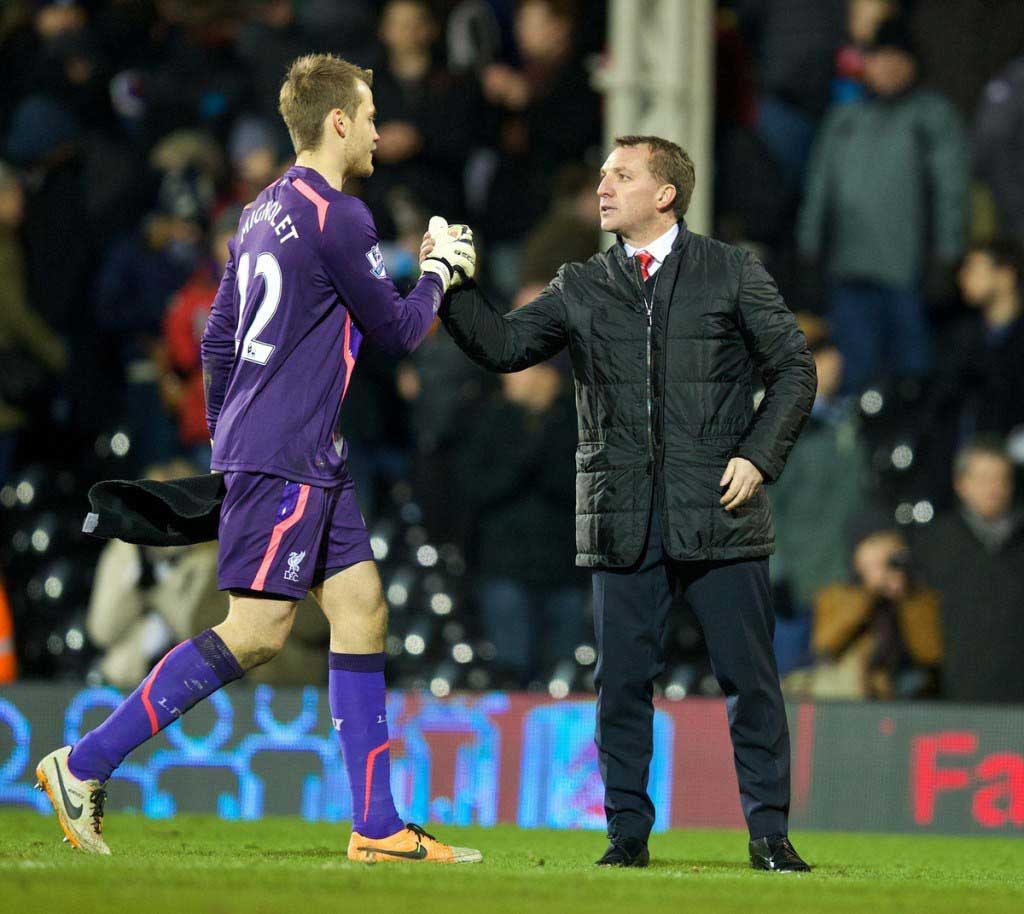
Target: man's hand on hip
x=743, y=480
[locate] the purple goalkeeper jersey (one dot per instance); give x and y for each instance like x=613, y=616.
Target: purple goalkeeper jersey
x=304, y=285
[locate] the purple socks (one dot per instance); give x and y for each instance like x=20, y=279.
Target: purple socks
x=195, y=669
x=185, y=676
x=359, y=715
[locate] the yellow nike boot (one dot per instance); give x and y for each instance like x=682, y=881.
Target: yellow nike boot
x=410, y=845
x=78, y=804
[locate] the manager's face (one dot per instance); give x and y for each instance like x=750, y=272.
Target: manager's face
x=628, y=192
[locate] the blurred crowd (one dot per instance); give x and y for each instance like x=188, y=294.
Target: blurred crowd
x=868, y=150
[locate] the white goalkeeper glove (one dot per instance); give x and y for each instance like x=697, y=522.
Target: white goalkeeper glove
x=453, y=259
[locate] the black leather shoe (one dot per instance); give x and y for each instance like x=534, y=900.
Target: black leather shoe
x=776, y=855
x=625, y=852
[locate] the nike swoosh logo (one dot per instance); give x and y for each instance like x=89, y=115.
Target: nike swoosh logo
x=75, y=811
x=417, y=854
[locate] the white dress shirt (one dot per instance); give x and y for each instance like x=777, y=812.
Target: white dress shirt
x=659, y=249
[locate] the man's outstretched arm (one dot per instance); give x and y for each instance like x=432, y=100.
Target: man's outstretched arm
x=507, y=342
x=351, y=256
x=218, y=343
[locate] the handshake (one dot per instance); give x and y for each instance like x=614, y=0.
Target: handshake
x=447, y=251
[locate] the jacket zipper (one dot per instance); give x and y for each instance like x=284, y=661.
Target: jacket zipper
x=649, y=308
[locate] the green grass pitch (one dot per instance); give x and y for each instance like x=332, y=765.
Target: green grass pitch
x=200, y=864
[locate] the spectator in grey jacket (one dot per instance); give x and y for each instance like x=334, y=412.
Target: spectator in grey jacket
x=999, y=145
x=884, y=212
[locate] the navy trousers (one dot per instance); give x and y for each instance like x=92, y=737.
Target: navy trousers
x=732, y=603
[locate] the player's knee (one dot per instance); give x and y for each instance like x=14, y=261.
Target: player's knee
x=276, y=634
x=367, y=609
x=379, y=611
x=256, y=637
x=266, y=644
x=373, y=614
x=367, y=619
x=261, y=653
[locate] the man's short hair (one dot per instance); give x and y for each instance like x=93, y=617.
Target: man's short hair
x=984, y=445
x=670, y=164
x=1003, y=252
x=560, y=9
x=422, y=5
x=316, y=84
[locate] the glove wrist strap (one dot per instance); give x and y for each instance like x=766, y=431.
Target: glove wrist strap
x=440, y=269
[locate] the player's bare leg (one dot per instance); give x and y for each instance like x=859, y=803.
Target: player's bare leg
x=353, y=602
x=73, y=777
x=256, y=628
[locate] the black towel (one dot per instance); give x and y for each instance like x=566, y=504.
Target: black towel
x=178, y=512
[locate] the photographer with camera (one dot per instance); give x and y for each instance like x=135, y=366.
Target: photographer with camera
x=879, y=636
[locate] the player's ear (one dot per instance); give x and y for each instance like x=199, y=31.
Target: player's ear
x=338, y=122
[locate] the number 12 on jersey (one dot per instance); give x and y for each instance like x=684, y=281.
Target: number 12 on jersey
x=254, y=350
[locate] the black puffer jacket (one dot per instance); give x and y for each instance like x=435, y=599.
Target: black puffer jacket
x=668, y=399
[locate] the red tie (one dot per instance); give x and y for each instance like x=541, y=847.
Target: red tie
x=646, y=259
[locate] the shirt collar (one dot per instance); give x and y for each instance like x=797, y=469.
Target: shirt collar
x=660, y=248
x=312, y=177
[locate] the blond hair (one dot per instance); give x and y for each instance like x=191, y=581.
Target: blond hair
x=670, y=164
x=316, y=84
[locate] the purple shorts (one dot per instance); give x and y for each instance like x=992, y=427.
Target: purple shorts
x=281, y=537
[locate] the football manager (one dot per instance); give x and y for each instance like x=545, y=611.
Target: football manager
x=666, y=331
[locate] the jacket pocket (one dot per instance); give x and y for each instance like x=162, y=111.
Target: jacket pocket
x=591, y=456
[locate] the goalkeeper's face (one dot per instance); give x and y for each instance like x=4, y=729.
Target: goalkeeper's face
x=361, y=137
x=628, y=194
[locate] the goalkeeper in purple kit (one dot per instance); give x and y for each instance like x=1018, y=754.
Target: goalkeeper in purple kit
x=304, y=285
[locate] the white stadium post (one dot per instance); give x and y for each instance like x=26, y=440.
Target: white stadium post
x=660, y=80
